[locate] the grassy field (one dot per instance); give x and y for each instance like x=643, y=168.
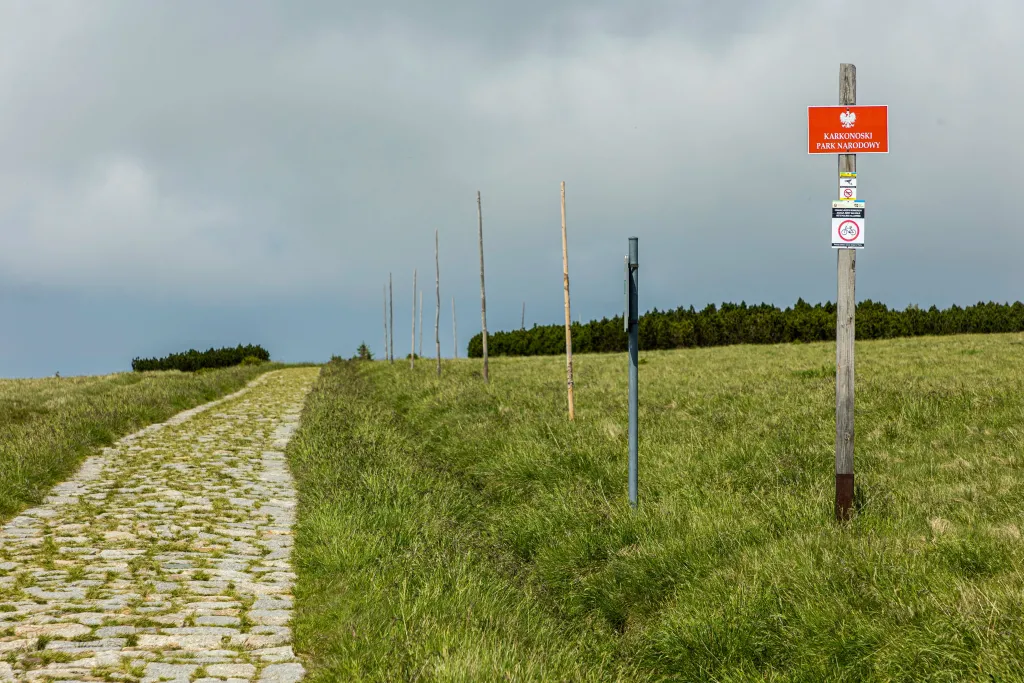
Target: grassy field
x=48, y=425
x=450, y=530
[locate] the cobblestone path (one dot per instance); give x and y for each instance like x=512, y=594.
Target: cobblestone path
x=166, y=557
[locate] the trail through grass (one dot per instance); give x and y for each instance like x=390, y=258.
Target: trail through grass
x=48, y=425
x=457, y=531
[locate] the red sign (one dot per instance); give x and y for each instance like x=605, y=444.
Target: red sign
x=848, y=130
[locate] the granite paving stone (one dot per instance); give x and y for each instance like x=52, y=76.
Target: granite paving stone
x=167, y=556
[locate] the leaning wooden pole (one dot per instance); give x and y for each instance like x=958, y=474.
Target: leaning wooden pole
x=437, y=314
x=455, y=332
x=391, y=322
x=412, y=348
x=846, y=306
x=568, y=317
x=385, y=322
x=483, y=292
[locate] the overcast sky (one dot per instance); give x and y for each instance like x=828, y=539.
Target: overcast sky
x=194, y=174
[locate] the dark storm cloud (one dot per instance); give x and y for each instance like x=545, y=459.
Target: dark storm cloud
x=301, y=151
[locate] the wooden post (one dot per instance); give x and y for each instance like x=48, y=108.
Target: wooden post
x=412, y=348
x=421, y=323
x=391, y=315
x=483, y=293
x=568, y=317
x=845, y=308
x=455, y=332
x=437, y=314
x=385, y=322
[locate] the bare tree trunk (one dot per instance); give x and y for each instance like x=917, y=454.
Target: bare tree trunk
x=412, y=347
x=437, y=314
x=483, y=293
x=455, y=332
x=568, y=318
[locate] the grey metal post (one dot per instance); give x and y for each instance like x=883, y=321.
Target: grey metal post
x=633, y=325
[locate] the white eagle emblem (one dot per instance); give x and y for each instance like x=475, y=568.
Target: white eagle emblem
x=847, y=118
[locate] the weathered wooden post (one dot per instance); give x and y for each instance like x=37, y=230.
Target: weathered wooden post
x=437, y=313
x=412, y=349
x=455, y=333
x=483, y=293
x=845, y=130
x=385, y=322
x=846, y=306
x=568, y=317
x=391, y=315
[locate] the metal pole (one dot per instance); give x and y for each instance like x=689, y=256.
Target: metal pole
x=633, y=319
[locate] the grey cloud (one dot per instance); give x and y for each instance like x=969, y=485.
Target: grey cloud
x=299, y=148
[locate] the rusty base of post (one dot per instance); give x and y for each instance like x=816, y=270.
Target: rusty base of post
x=844, y=496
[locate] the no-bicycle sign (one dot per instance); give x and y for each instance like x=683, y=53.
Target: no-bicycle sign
x=847, y=225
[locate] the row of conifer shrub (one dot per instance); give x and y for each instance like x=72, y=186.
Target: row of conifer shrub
x=743, y=324
x=193, y=360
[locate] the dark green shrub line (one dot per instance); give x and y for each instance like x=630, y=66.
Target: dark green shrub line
x=743, y=324
x=193, y=360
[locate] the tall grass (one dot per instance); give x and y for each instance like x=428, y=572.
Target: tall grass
x=422, y=500
x=48, y=425
x=394, y=583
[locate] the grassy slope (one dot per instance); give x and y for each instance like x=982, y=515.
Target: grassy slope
x=48, y=425
x=394, y=583
x=448, y=524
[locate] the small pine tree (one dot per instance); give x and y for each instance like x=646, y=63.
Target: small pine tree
x=363, y=352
